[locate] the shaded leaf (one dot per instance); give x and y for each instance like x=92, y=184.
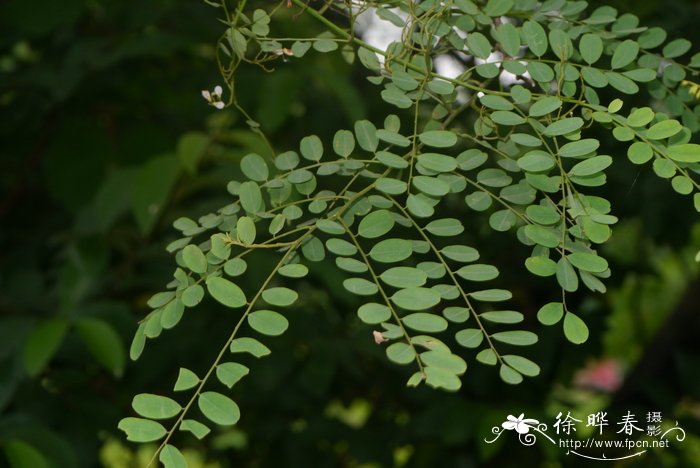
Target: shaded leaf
x=42, y=344
x=103, y=342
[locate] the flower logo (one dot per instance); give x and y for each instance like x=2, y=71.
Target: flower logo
x=214, y=97
x=522, y=426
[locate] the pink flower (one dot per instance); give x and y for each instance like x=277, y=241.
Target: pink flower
x=604, y=376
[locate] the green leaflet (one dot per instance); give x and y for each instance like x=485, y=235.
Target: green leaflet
x=460, y=253
x=470, y=337
x=226, y=292
x=478, y=272
x=507, y=34
x=446, y=227
x=343, y=143
x=197, y=429
x=516, y=337
x=249, y=345
x=664, y=129
x=563, y=126
x=444, y=360
x=550, y=313
x=245, y=230
x=536, y=161
x=438, y=138
x=498, y=7
x=503, y=316
x=194, y=259
x=218, y=408
x=509, y=375
x=376, y=224
x=268, y=322
x=424, y=322
x=391, y=251
x=311, y=148
x=541, y=266
x=404, y=277
x=186, y=379
x=437, y=162
x=685, y=153
x=280, y=296
x=566, y=275
x=401, y=353
x=591, y=166
x=544, y=106
x=535, y=37
x=360, y=286
x=591, y=47
x=496, y=102
x=372, y=313
x=142, y=430
x=522, y=365
x=254, y=167
x=229, y=373
x=366, y=134
x=624, y=54
x=171, y=457
x=479, y=45
x=579, y=148
x=575, y=329
x=416, y=298
x=155, y=406
x=561, y=44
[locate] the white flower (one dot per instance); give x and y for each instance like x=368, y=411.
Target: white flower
x=284, y=51
x=522, y=426
x=378, y=337
x=214, y=98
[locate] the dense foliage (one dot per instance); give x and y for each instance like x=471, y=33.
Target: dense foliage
x=392, y=209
